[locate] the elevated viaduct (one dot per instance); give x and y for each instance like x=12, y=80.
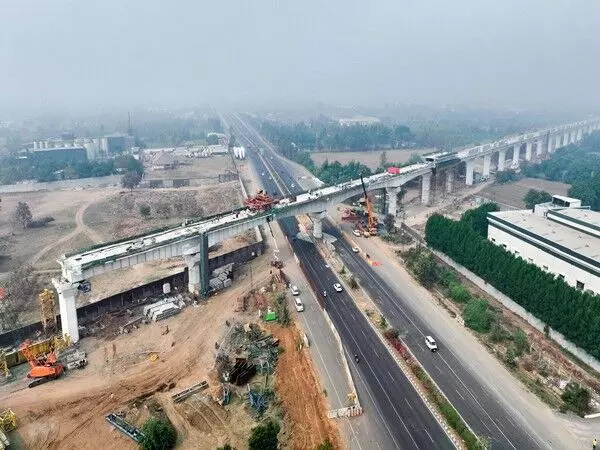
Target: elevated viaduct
x=192, y=239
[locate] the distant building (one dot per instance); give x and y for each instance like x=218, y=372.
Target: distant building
x=358, y=120
x=560, y=236
x=60, y=154
x=96, y=148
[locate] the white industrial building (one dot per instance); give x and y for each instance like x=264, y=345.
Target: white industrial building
x=560, y=236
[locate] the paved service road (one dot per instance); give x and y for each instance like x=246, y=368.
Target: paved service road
x=407, y=419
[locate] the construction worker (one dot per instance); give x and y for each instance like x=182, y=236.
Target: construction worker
x=594, y=443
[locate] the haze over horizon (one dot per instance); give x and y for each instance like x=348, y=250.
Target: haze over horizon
x=540, y=54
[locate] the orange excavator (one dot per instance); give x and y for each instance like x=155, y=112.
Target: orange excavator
x=43, y=368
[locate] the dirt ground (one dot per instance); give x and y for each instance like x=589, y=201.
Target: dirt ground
x=204, y=168
x=370, y=159
x=302, y=399
x=121, y=377
x=511, y=195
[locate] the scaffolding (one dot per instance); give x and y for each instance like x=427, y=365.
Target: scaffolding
x=4, y=364
x=47, y=308
x=8, y=420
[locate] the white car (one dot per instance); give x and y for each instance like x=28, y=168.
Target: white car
x=338, y=287
x=431, y=344
x=298, y=304
x=355, y=249
x=356, y=233
x=295, y=290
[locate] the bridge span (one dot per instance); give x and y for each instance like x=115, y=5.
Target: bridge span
x=192, y=239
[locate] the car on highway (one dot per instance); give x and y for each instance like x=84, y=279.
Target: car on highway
x=356, y=232
x=337, y=287
x=295, y=290
x=355, y=249
x=431, y=344
x=299, y=305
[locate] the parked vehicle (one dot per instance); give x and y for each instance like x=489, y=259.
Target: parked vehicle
x=356, y=232
x=295, y=290
x=355, y=249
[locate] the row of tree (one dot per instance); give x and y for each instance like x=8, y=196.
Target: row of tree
x=565, y=309
x=321, y=135
x=14, y=169
x=576, y=164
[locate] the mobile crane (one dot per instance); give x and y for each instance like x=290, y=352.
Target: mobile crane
x=371, y=219
x=44, y=368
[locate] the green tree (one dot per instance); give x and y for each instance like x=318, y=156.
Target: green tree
x=576, y=398
x=131, y=180
x=158, y=435
x=534, y=197
x=21, y=216
x=521, y=342
x=264, y=437
x=476, y=218
x=477, y=316
x=511, y=356
x=506, y=176
x=459, y=293
x=145, y=211
x=327, y=445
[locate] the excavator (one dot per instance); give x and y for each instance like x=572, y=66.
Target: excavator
x=43, y=368
x=371, y=219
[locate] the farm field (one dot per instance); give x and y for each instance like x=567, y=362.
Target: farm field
x=368, y=158
x=511, y=195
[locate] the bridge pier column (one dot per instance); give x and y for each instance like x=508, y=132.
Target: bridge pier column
x=501, y=159
x=487, y=162
x=565, y=139
x=553, y=143
x=538, y=148
x=68, y=311
x=469, y=173
x=516, y=152
x=449, y=180
x=197, y=265
x=425, y=188
x=579, y=134
x=573, y=137
x=392, y=200
x=317, y=220
x=528, y=147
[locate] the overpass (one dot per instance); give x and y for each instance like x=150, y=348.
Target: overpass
x=192, y=239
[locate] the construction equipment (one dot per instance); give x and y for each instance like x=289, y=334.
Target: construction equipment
x=126, y=428
x=260, y=202
x=371, y=219
x=8, y=420
x=44, y=368
x=47, y=308
x=350, y=215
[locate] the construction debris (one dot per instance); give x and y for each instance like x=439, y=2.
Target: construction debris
x=181, y=396
x=124, y=427
x=221, y=277
x=257, y=401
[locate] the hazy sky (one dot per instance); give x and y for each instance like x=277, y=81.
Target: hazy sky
x=100, y=54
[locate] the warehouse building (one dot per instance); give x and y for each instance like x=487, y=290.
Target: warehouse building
x=560, y=236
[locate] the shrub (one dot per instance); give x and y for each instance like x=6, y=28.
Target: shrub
x=459, y=293
x=158, y=435
x=498, y=333
x=327, y=445
x=391, y=334
x=511, y=356
x=576, y=398
x=477, y=316
x=521, y=342
x=383, y=323
x=264, y=437
x=447, y=277
x=145, y=211
x=353, y=284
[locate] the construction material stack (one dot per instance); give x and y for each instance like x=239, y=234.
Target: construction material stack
x=164, y=308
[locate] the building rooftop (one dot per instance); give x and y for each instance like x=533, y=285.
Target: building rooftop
x=590, y=218
x=557, y=233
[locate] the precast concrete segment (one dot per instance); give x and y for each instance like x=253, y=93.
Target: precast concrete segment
x=528, y=147
x=469, y=173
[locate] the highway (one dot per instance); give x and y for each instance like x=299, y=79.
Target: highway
x=482, y=408
x=407, y=419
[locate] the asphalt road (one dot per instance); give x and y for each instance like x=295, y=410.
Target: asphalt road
x=407, y=420
x=482, y=409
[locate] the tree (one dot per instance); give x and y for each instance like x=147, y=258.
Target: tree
x=131, y=180
x=534, y=197
x=423, y=265
x=506, y=176
x=389, y=222
x=21, y=216
x=477, y=218
x=326, y=445
x=477, y=316
x=212, y=139
x=459, y=293
x=225, y=447
x=521, y=342
x=383, y=159
x=158, y=435
x=145, y=211
x=576, y=398
x=264, y=437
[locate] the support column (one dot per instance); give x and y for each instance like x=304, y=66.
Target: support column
x=68, y=311
x=392, y=200
x=579, y=134
x=425, y=188
x=565, y=139
x=317, y=220
x=538, y=148
x=469, y=173
x=516, y=151
x=572, y=139
x=487, y=162
x=501, y=159
x=197, y=265
x=528, y=147
x=449, y=180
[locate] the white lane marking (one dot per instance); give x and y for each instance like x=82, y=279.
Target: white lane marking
x=408, y=403
x=459, y=394
x=425, y=429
